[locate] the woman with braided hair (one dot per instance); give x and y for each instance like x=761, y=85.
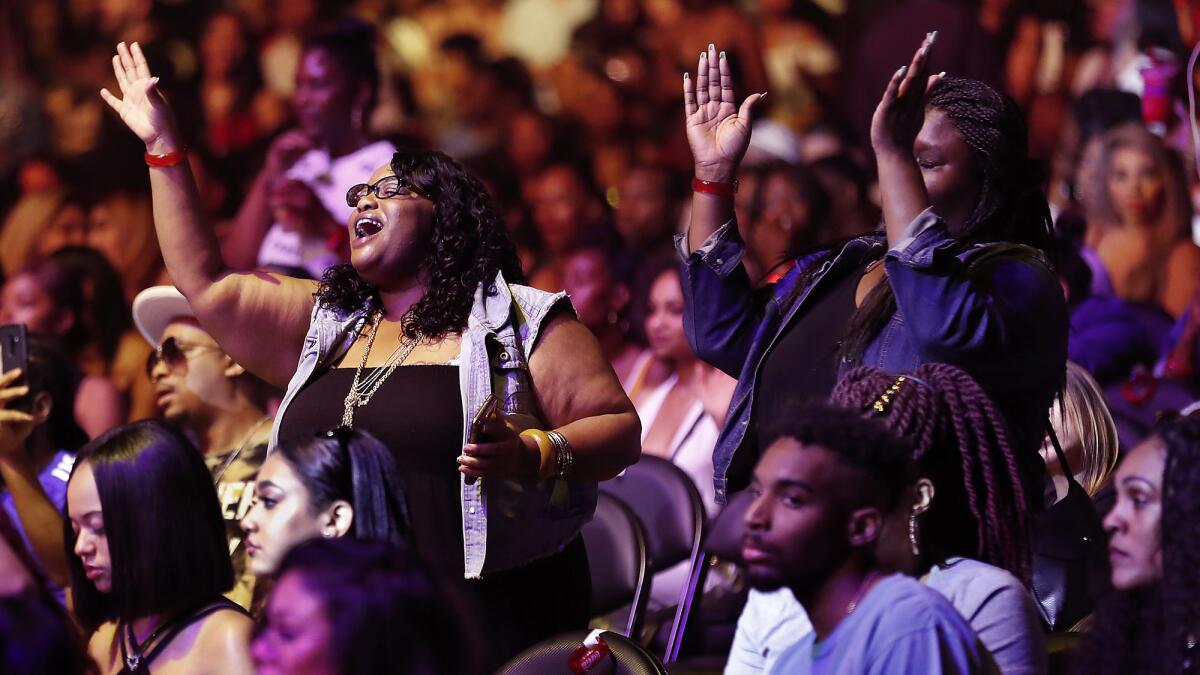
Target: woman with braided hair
x=962, y=528
x=1151, y=622
x=956, y=276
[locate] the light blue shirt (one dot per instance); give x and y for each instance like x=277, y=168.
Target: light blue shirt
x=900, y=627
x=505, y=523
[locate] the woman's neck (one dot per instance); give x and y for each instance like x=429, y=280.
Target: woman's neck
x=400, y=298
x=685, y=369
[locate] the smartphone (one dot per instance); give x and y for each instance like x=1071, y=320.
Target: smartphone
x=14, y=353
x=488, y=409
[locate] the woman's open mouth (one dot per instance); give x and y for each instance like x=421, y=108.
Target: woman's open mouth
x=366, y=226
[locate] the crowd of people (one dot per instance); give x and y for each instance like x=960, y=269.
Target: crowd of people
x=340, y=315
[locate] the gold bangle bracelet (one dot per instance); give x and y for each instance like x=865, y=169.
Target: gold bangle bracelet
x=545, y=450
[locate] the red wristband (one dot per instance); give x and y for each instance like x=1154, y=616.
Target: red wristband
x=710, y=187
x=172, y=158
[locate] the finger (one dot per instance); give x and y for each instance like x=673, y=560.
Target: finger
x=126, y=61
x=15, y=417
x=702, y=80
x=726, y=79
x=11, y=393
x=933, y=80
x=893, y=87
x=139, y=61
x=714, y=74
x=747, y=110
x=689, y=96
x=918, y=68
x=9, y=376
x=478, y=450
x=119, y=71
x=150, y=86
x=112, y=101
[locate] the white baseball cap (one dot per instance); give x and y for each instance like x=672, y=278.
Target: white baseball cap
x=156, y=307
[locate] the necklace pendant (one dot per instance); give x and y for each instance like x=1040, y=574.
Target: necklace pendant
x=133, y=661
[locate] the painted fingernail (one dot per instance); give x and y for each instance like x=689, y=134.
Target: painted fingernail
x=902, y=71
x=942, y=74
x=704, y=55
x=933, y=36
x=722, y=53
x=762, y=96
x=924, y=50
x=154, y=80
x=686, y=76
x=711, y=46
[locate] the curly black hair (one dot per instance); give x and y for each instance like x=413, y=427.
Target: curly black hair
x=1149, y=630
x=469, y=245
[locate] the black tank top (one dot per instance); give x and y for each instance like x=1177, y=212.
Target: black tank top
x=417, y=414
x=170, y=630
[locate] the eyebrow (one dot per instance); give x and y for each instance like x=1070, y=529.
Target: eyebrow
x=267, y=484
x=1139, y=479
x=789, y=482
x=89, y=514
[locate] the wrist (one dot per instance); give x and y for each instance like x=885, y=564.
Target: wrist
x=534, y=455
x=715, y=173
x=162, y=145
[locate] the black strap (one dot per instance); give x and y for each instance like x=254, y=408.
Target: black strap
x=1062, y=456
x=174, y=627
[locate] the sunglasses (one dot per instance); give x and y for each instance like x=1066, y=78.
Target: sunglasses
x=173, y=353
x=388, y=187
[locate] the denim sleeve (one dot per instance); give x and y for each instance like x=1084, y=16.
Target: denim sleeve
x=721, y=314
x=997, y=312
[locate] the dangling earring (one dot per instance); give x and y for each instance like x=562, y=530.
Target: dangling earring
x=356, y=119
x=912, y=533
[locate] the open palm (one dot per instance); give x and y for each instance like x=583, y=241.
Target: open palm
x=141, y=106
x=718, y=132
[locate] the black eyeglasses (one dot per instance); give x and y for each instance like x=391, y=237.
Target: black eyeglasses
x=388, y=187
x=173, y=353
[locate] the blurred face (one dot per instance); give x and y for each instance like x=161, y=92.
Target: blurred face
x=664, y=323
x=643, y=213
x=1136, y=187
x=947, y=167
x=560, y=209
x=296, y=635
x=587, y=281
x=189, y=391
x=528, y=142
x=281, y=516
x=1134, y=523
x=782, y=204
x=389, y=236
x=24, y=301
x=221, y=45
x=324, y=96
x=87, y=521
x=66, y=228
x=795, y=532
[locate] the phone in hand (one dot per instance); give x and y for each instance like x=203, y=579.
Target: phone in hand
x=14, y=353
x=486, y=411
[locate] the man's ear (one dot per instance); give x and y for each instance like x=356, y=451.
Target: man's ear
x=864, y=526
x=42, y=406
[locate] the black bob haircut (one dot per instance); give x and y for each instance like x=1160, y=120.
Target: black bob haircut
x=862, y=443
x=166, y=538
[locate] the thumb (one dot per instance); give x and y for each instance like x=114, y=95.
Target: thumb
x=746, y=112
x=151, y=85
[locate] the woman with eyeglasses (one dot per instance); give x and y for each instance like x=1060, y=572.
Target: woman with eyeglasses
x=502, y=393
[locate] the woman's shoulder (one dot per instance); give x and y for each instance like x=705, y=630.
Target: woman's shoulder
x=972, y=584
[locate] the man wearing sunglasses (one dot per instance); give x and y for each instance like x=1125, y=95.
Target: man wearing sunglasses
x=214, y=401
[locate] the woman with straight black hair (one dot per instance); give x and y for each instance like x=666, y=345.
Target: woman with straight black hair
x=150, y=559
x=339, y=484
x=360, y=607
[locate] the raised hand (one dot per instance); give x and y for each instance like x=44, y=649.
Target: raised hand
x=901, y=112
x=718, y=132
x=15, y=425
x=141, y=106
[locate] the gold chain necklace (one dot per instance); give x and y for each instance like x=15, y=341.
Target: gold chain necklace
x=361, y=393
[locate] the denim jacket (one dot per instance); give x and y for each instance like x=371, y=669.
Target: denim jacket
x=522, y=520
x=996, y=310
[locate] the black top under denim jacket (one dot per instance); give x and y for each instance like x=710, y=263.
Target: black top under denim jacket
x=996, y=310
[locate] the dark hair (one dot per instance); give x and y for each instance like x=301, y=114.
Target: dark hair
x=1148, y=629
x=351, y=43
x=106, y=315
x=355, y=467
x=50, y=371
x=469, y=246
x=866, y=445
x=64, y=285
x=166, y=537
x=1012, y=206
x=386, y=612
x=959, y=441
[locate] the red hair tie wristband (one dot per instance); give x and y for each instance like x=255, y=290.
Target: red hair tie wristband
x=173, y=158
x=709, y=187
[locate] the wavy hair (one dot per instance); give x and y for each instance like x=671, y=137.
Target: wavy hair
x=469, y=245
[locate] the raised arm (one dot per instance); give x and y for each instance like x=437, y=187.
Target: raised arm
x=718, y=134
x=259, y=319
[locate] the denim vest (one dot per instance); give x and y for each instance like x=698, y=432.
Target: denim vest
x=524, y=520
x=994, y=309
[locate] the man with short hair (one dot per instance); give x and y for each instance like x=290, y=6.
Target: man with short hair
x=821, y=492
x=219, y=405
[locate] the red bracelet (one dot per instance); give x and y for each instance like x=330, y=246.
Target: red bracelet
x=710, y=187
x=172, y=158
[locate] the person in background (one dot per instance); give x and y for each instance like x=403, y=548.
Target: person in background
x=292, y=215
x=361, y=607
x=1086, y=432
x=1138, y=214
x=789, y=216
x=568, y=213
x=823, y=489
x=48, y=298
x=1149, y=623
x=149, y=560
x=219, y=406
x=646, y=213
x=38, y=440
x=594, y=279
x=340, y=484
x=113, y=350
x=851, y=212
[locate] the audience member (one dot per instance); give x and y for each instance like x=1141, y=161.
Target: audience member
x=823, y=490
x=430, y=254
x=789, y=216
x=150, y=560
x=219, y=406
x=1086, y=432
x=567, y=212
x=1148, y=624
x=600, y=293
x=646, y=213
